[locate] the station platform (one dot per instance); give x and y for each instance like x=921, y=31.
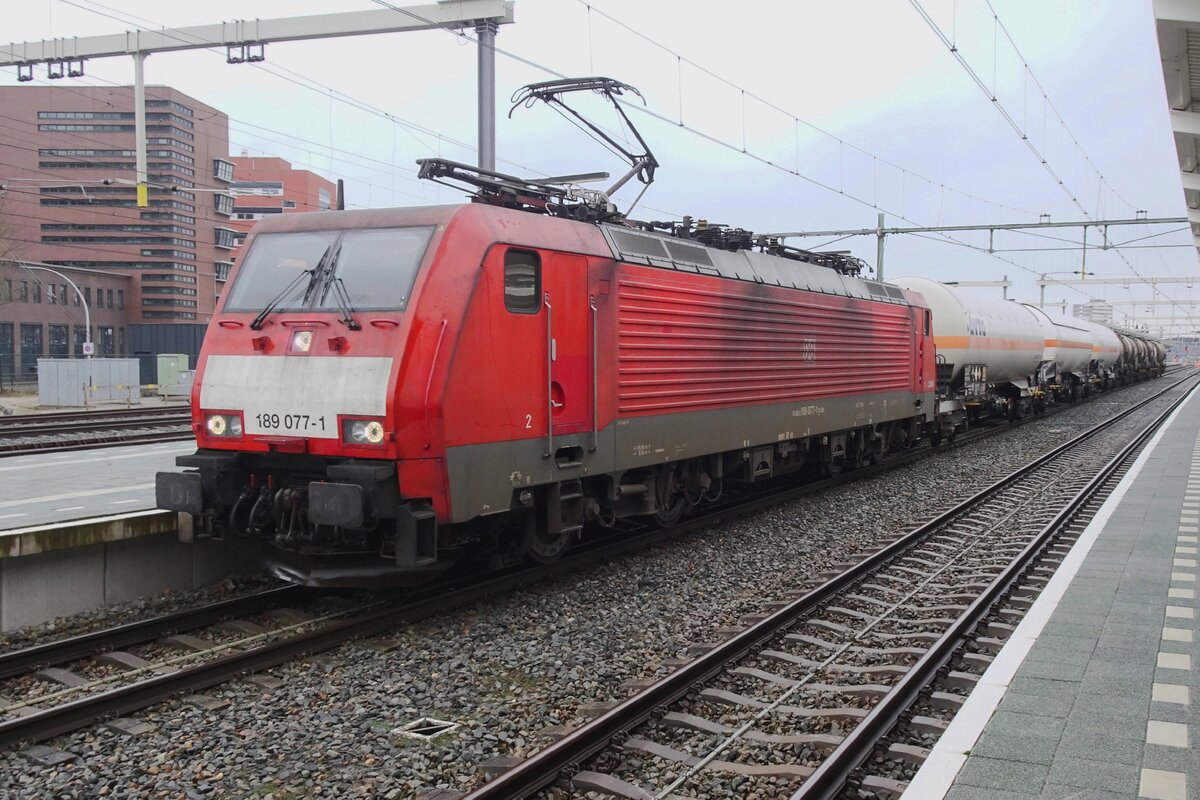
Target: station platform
x=45, y=488
x=1094, y=695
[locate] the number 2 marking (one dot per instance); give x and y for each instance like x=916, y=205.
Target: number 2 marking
x=528, y=421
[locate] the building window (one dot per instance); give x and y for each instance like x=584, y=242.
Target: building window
x=260, y=188
x=223, y=203
x=51, y=296
x=58, y=341
x=62, y=294
x=31, y=350
x=6, y=352
x=221, y=270
x=522, y=281
x=182, y=290
x=120, y=298
x=80, y=338
x=7, y=295
x=99, y=298
x=106, y=344
x=225, y=238
x=87, y=295
x=165, y=301
x=23, y=295
x=222, y=170
x=110, y=298
x=168, y=315
x=37, y=292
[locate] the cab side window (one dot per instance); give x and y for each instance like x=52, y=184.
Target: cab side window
x=522, y=281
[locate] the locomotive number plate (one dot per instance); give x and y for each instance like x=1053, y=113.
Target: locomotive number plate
x=291, y=423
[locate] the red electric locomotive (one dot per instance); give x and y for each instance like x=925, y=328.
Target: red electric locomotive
x=434, y=368
x=383, y=392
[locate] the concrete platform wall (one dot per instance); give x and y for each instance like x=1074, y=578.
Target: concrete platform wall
x=38, y=588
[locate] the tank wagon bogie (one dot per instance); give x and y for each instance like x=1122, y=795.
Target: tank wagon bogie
x=384, y=392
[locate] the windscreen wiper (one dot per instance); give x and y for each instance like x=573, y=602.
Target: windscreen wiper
x=340, y=295
x=323, y=268
x=257, y=323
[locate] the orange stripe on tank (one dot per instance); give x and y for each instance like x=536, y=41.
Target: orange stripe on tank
x=985, y=343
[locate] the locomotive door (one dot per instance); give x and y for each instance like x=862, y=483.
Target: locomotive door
x=568, y=351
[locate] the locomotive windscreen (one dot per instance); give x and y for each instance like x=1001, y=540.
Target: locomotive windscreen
x=377, y=267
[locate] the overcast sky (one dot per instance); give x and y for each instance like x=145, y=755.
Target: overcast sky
x=863, y=98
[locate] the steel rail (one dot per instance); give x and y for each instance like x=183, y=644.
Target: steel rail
x=829, y=779
x=133, y=633
x=86, y=426
x=543, y=767
x=89, y=416
x=123, y=700
x=116, y=440
x=47, y=433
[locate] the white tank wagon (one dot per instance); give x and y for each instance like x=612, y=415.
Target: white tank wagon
x=1066, y=354
x=988, y=352
x=972, y=329
x=1140, y=357
x=1106, y=349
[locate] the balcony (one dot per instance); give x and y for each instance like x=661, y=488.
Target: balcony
x=221, y=270
x=223, y=204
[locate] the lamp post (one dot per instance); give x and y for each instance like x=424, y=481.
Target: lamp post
x=87, y=315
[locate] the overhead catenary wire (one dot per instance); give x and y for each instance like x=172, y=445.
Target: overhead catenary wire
x=903, y=212
x=1039, y=153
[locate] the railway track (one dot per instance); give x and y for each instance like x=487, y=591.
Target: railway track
x=128, y=684
x=798, y=702
x=39, y=433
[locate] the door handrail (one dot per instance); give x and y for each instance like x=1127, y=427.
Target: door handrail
x=549, y=375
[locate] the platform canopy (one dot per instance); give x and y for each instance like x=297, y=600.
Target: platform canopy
x=1178, y=23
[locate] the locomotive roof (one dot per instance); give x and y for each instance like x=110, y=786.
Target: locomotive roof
x=613, y=241
x=682, y=255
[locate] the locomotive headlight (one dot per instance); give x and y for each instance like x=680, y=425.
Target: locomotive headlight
x=302, y=341
x=227, y=426
x=362, y=431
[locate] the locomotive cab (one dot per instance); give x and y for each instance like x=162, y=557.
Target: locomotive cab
x=294, y=405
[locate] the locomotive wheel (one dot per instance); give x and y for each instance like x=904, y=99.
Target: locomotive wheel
x=670, y=517
x=545, y=548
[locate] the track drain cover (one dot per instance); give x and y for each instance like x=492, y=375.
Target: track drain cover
x=426, y=728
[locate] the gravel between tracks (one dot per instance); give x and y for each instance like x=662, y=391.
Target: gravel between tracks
x=511, y=667
x=133, y=611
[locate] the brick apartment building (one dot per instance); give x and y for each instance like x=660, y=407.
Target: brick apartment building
x=67, y=161
x=265, y=185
